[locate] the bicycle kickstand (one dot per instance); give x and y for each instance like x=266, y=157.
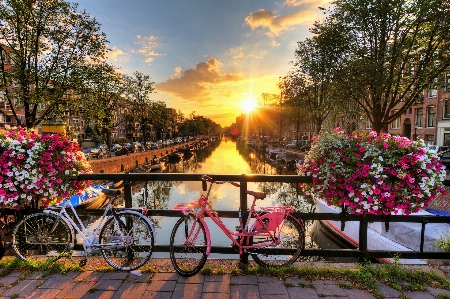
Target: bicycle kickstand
x=67, y=254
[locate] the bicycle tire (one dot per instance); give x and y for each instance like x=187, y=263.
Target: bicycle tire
x=41, y=234
x=292, y=235
x=188, y=260
x=136, y=249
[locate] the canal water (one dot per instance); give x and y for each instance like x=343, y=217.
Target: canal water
x=219, y=157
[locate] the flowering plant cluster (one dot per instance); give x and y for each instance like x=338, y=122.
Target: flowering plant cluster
x=370, y=173
x=39, y=168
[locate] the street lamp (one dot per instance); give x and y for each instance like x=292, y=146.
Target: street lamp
x=415, y=132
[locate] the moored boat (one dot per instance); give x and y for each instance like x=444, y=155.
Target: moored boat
x=376, y=240
x=91, y=198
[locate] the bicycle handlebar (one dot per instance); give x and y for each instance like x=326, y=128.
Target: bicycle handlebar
x=207, y=178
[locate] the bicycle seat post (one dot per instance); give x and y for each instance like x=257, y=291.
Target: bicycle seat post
x=243, y=258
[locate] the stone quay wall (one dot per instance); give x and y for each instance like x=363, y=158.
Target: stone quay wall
x=126, y=163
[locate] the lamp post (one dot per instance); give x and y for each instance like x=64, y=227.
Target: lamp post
x=415, y=132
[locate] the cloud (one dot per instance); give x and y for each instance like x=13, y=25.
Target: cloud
x=147, y=44
x=116, y=54
x=199, y=83
x=306, y=12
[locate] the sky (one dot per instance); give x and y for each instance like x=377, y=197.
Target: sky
x=206, y=57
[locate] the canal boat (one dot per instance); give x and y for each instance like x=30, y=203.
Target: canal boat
x=376, y=240
x=93, y=197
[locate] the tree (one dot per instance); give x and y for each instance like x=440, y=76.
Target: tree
x=100, y=97
x=137, y=91
x=295, y=90
x=396, y=50
x=314, y=76
x=46, y=45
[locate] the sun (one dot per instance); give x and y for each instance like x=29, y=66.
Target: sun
x=249, y=105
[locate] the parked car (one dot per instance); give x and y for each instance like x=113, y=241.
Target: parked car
x=437, y=148
x=115, y=147
x=87, y=153
x=132, y=148
x=444, y=156
x=123, y=150
x=292, y=144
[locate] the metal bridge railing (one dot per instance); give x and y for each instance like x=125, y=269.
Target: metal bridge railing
x=362, y=253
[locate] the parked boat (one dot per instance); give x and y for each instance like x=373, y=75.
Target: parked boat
x=376, y=239
x=93, y=197
x=174, y=157
x=155, y=164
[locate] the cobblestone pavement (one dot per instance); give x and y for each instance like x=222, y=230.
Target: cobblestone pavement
x=89, y=284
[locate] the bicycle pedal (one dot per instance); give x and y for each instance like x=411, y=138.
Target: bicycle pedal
x=83, y=262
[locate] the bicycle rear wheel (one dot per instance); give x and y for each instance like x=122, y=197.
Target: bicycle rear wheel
x=41, y=234
x=127, y=241
x=188, y=246
x=291, y=234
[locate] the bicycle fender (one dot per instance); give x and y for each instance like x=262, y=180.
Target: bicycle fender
x=145, y=217
x=272, y=220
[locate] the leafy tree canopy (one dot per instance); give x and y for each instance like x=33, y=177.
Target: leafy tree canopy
x=47, y=46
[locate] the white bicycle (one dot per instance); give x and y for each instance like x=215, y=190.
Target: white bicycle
x=124, y=237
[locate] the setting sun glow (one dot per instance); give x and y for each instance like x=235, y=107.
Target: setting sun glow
x=248, y=105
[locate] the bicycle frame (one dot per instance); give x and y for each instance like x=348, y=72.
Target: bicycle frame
x=90, y=237
x=262, y=227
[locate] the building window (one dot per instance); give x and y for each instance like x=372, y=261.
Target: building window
x=431, y=116
x=429, y=139
x=396, y=123
x=432, y=93
x=447, y=82
x=446, y=108
x=419, y=117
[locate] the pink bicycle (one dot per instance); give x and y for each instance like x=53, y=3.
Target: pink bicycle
x=272, y=236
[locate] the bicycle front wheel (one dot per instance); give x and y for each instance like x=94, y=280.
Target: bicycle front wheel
x=40, y=234
x=290, y=234
x=127, y=240
x=188, y=246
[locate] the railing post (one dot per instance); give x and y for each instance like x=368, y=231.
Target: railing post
x=363, y=226
x=243, y=258
x=127, y=193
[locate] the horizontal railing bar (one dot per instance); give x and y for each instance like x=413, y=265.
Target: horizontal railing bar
x=196, y=177
x=304, y=216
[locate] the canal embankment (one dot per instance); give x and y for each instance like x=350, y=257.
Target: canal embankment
x=123, y=163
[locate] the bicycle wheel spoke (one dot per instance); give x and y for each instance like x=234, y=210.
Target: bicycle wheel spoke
x=188, y=246
x=285, y=249
x=40, y=234
x=127, y=242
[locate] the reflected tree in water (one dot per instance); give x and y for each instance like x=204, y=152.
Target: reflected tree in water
x=153, y=195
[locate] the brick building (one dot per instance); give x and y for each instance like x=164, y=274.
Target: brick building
x=428, y=119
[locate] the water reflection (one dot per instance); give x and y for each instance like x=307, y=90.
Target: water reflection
x=219, y=157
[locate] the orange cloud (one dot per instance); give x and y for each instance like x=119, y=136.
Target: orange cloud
x=116, y=54
x=306, y=13
x=147, y=46
x=198, y=84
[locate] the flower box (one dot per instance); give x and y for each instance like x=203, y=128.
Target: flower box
x=39, y=170
x=369, y=173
